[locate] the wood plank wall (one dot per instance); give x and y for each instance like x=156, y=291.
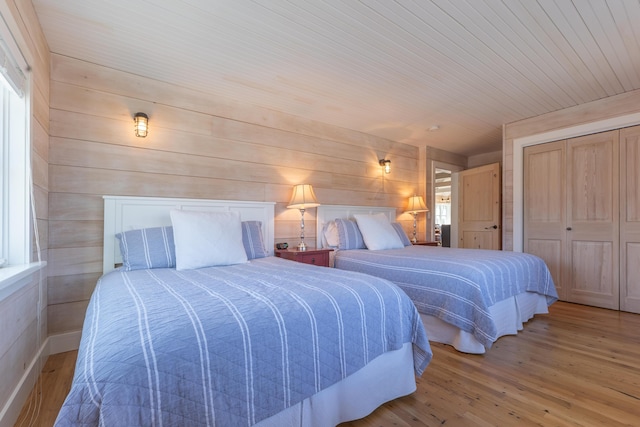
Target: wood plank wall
x=606, y=108
x=198, y=147
x=19, y=338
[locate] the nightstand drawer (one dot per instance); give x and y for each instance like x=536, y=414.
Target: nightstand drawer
x=321, y=259
x=312, y=256
x=427, y=243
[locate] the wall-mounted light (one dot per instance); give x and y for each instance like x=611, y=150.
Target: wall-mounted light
x=386, y=164
x=141, y=121
x=302, y=198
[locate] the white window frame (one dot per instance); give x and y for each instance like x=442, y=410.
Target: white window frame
x=15, y=158
x=16, y=235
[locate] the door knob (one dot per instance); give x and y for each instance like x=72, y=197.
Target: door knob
x=495, y=227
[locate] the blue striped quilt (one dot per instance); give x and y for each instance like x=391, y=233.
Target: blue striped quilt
x=456, y=285
x=229, y=346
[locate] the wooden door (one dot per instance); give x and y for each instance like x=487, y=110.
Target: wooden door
x=545, y=208
x=479, y=207
x=630, y=219
x=593, y=219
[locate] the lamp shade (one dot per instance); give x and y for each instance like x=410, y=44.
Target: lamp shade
x=303, y=197
x=416, y=204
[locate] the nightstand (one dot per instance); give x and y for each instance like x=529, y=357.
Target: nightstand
x=313, y=256
x=427, y=243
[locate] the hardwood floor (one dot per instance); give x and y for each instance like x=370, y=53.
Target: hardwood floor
x=577, y=366
x=42, y=406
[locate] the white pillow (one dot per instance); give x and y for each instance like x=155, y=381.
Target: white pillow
x=206, y=239
x=377, y=232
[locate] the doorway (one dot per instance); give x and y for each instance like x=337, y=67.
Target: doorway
x=442, y=207
x=444, y=196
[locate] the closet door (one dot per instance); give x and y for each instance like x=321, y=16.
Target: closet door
x=545, y=208
x=593, y=219
x=630, y=219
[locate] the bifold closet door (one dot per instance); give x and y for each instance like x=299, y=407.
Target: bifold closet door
x=572, y=215
x=630, y=219
x=545, y=208
x=593, y=218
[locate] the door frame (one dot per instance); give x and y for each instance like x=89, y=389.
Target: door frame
x=569, y=132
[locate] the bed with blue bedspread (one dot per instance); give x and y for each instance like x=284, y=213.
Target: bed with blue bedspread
x=230, y=346
x=457, y=286
x=263, y=341
x=467, y=298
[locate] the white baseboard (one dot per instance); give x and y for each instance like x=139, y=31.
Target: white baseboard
x=60, y=343
x=20, y=394
x=54, y=344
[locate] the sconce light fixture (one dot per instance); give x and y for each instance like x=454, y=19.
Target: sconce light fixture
x=386, y=164
x=415, y=205
x=303, y=197
x=141, y=124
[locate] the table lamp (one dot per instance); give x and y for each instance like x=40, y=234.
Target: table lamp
x=416, y=204
x=303, y=197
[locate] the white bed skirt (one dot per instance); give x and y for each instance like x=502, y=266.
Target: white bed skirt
x=509, y=316
x=387, y=377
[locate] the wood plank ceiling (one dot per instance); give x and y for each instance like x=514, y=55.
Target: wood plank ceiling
x=390, y=68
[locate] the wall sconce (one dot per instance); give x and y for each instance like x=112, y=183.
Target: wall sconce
x=415, y=205
x=141, y=124
x=303, y=197
x=386, y=164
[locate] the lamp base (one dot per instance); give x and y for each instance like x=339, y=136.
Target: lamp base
x=302, y=246
x=414, y=239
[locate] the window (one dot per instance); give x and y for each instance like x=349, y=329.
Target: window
x=15, y=236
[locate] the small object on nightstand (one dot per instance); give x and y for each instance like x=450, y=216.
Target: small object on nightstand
x=310, y=255
x=282, y=245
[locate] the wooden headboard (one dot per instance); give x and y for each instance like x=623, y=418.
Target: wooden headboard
x=326, y=213
x=122, y=213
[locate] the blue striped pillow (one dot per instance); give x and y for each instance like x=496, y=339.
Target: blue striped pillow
x=350, y=236
x=253, y=240
x=147, y=248
x=403, y=236
x=155, y=248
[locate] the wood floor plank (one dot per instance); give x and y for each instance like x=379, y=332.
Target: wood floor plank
x=576, y=366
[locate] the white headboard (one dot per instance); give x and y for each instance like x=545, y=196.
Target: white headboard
x=122, y=213
x=326, y=213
